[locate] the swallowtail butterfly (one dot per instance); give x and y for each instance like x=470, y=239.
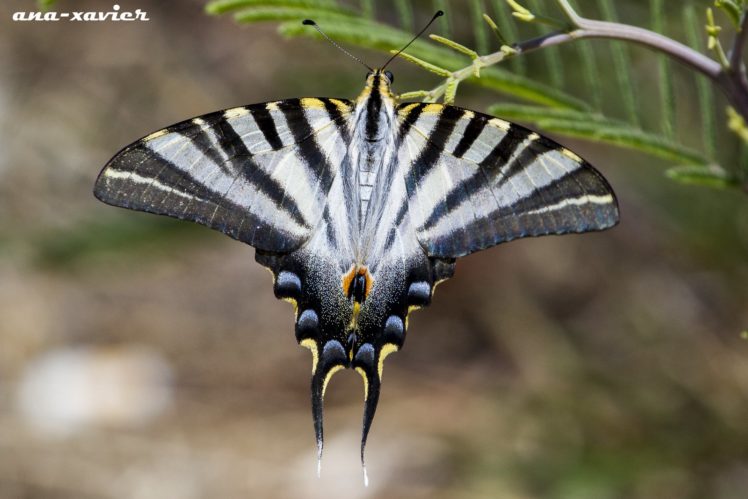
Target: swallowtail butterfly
x=359, y=208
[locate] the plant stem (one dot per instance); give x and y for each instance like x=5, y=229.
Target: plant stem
x=731, y=80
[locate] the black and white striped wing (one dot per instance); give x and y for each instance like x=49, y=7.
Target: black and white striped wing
x=259, y=174
x=476, y=181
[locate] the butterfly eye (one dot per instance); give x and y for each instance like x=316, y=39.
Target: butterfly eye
x=390, y=76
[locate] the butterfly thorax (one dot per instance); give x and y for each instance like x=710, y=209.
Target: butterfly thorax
x=371, y=148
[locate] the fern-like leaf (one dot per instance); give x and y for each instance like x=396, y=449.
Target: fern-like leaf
x=223, y=6
x=711, y=176
x=598, y=128
x=621, y=64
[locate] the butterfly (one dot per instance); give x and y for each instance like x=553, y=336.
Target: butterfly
x=359, y=208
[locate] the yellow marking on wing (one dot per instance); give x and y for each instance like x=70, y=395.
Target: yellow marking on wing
x=155, y=135
x=327, y=378
x=504, y=125
x=235, y=112
x=361, y=371
x=271, y=273
x=342, y=106
x=533, y=136
x=294, y=303
x=312, y=346
x=436, y=283
x=311, y=102
x=407, y=109
x=387, y=349
x=348, y=278
x=571, y=155
x=433, y=109
x=271, y=106
x=468, y=115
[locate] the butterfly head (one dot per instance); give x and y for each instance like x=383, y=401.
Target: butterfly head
x=379, y=81
x=380, y=78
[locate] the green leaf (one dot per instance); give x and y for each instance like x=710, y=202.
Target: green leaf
x=621, y=65
x=405, y=14
x=509, y=29
x=527, y=89
x=589, y=67
x=712, y=176
x=258, y=14
x=445, y=73
x=623, y=135
x=455, y=46
x=222, y=6
x=445, y=22
x=479, y=27
x=703, y=88
x=732, y=10
x=552, y=55
x=523, y=112
x=596, y=127
x=367, y=8
x=664, y=76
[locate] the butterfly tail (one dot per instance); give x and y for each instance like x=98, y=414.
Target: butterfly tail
x=317, y=415
x=331, y=360
x=366, y=364
x=373, y=384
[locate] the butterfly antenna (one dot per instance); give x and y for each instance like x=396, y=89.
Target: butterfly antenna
x=437, y=15
x=309, y=22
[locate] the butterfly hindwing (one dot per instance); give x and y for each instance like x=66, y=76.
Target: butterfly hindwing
x=256, y=173
x=476, y=181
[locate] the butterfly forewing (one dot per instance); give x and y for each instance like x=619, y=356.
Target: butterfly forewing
x=249, y=172
x=476, y=181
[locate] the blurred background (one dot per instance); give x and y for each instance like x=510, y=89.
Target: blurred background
x=142, y=357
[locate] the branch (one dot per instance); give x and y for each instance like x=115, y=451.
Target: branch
x=594, y=29
x=731, y=79
x=589, y=28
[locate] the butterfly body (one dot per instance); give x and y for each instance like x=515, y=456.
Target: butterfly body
x=359, y=208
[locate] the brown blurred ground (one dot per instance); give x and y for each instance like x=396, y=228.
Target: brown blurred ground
x=596, y=366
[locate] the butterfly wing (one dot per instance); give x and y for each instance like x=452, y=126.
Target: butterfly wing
x=255, y=173
x=476, y=181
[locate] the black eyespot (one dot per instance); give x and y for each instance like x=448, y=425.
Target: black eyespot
x=390, y=76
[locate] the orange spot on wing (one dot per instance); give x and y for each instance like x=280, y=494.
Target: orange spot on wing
x=348, y=279
x=369, y=280
x=355, y=270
